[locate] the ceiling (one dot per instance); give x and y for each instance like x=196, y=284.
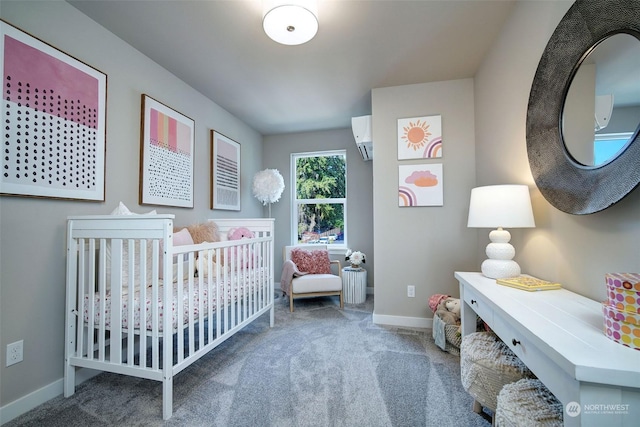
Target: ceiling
x=219, y=48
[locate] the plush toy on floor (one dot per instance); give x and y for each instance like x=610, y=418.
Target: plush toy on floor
x=449, y=311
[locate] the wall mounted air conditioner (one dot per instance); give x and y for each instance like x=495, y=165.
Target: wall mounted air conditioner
x=604, y=108
x=361, y=127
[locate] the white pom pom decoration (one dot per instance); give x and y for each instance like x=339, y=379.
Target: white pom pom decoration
x=268, y=186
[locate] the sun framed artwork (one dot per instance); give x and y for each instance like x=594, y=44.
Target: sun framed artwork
x=420, y=185
x=420, y=137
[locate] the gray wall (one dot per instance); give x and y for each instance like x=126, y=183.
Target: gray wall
x=421, y=246
x=574, y=250
x=32, y=266
x=623, y=119
x=277, y=151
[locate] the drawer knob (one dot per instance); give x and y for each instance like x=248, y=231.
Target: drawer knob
x=474, y=302
x=515, y=342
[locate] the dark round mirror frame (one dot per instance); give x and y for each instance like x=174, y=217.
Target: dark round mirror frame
x=567, y=185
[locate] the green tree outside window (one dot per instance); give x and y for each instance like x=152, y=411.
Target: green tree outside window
x=320, y=196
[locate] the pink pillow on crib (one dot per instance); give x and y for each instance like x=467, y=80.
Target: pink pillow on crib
x=313, y=262
x=182, y=237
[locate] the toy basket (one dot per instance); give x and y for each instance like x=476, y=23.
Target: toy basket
x=453, y=339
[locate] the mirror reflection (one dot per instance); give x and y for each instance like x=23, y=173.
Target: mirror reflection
x=602, y=109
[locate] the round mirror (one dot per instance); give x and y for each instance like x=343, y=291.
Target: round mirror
x=571, y=185
x=602, y=108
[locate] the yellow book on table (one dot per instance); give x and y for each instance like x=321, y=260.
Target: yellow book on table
x=528, y=283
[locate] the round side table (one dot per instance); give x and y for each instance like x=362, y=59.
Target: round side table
x=354, y=285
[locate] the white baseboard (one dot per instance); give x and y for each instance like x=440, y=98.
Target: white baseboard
x=409, y=322
x=36, y=398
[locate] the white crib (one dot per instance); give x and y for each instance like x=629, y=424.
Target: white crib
x=117, y=300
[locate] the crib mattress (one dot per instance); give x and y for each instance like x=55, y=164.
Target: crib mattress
x=189, y=305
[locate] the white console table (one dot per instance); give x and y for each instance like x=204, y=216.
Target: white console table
x=559, y=335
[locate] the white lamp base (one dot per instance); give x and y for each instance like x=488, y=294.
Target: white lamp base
x=500, y=264
x=500, y=268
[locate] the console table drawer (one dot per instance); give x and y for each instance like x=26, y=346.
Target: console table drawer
x=516, y=341
x=479, y=304
x=548, y=371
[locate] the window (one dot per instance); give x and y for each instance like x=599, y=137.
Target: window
x=608, y=145
x=319, y=208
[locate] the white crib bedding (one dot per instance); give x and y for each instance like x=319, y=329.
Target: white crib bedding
x=243, y=283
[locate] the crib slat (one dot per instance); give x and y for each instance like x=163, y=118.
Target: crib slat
x=131, y=292
x=255, y=284
x=201, y=291
x=134, y=286
x=167, y=343
x=115, y=350
x=82, y=278
x=155, y=317
x=251, y=284
x=190, y=307
x=265, y=274
x=244, y=294
x=89, y=292
x=71, y=314
x=179, y=309
x=156, y=293
x=260, y=277
x=116, y=280
x=234, y=275
x=220, y=278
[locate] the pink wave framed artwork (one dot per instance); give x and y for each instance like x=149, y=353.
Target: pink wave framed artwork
x=420, y=185
x=166, y=155
x=54, y=116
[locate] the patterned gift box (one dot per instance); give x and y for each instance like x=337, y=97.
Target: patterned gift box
x=621, y=326
x=623, y=291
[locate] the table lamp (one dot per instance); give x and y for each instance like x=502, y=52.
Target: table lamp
x=498, y=206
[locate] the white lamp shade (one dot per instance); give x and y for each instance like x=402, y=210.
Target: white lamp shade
x=497, y=206
x=290, y=22
x=494, y=206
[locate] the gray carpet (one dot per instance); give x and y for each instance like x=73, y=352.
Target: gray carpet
x=318, y=366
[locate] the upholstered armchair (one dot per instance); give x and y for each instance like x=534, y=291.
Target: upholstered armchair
x=307, y=272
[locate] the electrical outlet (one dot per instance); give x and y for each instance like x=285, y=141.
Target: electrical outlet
x=411, y=291
x=14, y=352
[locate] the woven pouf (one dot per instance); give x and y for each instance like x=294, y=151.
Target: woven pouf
x=525, y=403
x=487, y=364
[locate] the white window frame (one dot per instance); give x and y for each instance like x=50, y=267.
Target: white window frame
x=334, y=247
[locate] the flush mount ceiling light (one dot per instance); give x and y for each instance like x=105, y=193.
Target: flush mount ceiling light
x=290, y=22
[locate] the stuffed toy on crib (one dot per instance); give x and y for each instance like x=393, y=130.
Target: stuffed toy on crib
x=245, y=259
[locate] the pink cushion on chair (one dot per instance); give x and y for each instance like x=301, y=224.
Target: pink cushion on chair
x=312, y=262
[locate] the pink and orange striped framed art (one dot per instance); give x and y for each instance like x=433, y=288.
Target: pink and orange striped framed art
x=166, y=155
